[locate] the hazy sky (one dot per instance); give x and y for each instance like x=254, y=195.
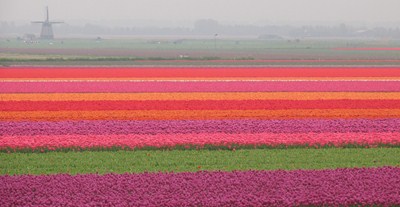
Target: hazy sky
x=240, y=11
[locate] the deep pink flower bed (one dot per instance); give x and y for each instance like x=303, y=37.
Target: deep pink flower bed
x=196, y=86
x=27, y=128
x=340, y=187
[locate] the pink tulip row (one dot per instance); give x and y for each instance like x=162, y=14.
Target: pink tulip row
x=29, y=128
x=195, y=86
x=219, y=139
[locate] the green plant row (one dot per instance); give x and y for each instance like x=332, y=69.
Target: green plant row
x=188, y=147
x=121, y=161
x=50, y=59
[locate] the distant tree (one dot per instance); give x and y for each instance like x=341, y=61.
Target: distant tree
x=206, y=26
x=343, y=30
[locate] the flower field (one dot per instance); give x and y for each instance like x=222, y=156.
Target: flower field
x=214, y=136
x=250, y=188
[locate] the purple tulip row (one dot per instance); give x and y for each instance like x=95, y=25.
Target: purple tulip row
x=365, y=186
x=26, y=128
x=198, y=86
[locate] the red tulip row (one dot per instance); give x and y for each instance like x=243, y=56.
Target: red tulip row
x=54, y=142
x=222, y=72
x=197, y=105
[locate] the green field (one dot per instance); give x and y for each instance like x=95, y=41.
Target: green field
x=242, y=44
x=206, y=43
x=195, y=160
x=133, y=51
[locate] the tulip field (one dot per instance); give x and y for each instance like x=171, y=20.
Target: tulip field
x=199, y=136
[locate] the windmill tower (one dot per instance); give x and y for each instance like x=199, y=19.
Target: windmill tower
x=47, y=28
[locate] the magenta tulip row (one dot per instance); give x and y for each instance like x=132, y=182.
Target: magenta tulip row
x=194, y=86
x=339, y=187
x=27, y=128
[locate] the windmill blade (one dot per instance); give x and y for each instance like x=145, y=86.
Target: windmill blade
x=56, y=22
x=37, y=22
x=47, y=13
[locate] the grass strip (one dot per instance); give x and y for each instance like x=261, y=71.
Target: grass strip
x=195, y=160
x=190, y=147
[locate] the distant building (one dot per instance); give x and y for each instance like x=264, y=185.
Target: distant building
x=270, y=37
x=29, y=37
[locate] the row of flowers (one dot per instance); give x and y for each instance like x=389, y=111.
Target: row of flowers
x=340, y=187
x=197, y=86
x=197, y=105
x=221, y=72
x=199, y=114
x=201, y=139
x=200, y=96
x=120, y=127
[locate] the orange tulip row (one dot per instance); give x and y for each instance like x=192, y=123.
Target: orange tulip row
x=198, y=115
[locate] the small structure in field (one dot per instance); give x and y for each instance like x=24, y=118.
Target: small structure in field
x=47, y=27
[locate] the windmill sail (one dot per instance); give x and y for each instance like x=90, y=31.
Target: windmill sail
x=47, y=14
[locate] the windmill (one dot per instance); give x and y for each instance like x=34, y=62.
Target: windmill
x=47, y=29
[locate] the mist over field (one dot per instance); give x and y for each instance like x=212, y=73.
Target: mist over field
x=192, y=29
x=319, y=18
x=228, y=11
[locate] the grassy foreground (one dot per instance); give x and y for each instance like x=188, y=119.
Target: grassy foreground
x=195, y=160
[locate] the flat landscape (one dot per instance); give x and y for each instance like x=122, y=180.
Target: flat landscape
x=205, y=51
x=200, y=123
